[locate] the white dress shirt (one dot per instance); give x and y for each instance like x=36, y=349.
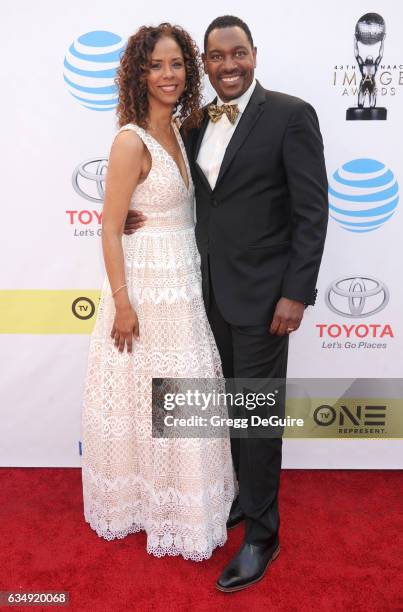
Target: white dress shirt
x=217, y=136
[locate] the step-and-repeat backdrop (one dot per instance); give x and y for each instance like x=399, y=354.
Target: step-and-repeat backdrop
x=58, y=99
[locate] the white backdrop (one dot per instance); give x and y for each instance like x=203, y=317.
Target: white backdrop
x=304, y=49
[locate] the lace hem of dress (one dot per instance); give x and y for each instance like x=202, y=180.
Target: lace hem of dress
x=156, y=547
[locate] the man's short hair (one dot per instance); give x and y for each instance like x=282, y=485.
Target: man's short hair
x=227, y=21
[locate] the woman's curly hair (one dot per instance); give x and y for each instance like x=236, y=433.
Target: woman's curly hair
x=134, y=67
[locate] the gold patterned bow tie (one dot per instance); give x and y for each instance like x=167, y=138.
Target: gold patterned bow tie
x=216, y=112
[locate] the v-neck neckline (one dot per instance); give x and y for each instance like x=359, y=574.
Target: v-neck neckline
x=181, y=148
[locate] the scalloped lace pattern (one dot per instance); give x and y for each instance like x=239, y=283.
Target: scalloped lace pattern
x=179, y=491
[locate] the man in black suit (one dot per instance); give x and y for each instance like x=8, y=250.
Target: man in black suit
x=261, y=205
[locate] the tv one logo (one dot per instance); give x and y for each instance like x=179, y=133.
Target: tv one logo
x=356, y=297
x=83, y=308
x=351, y=416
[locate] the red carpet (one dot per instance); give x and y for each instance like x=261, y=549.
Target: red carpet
x=341, y=537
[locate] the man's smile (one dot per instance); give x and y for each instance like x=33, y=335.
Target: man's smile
x=230, y=79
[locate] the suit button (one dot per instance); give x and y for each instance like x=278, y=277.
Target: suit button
x=214, y=203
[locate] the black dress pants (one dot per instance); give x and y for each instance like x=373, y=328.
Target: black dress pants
x=252, y=352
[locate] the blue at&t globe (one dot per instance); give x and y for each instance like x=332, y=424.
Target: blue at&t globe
x=90, y=68
x=363, y=195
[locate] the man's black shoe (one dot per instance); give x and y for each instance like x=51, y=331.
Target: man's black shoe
x=236, y=515
x=247, y=567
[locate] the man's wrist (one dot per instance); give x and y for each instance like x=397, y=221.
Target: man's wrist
x=294, y=300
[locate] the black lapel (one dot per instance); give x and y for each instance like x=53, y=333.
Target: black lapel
x=246, y=122
x=196, y=150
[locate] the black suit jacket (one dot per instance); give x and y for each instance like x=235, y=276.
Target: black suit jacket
x=262, y=228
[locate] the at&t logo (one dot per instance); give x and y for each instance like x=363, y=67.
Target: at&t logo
x=363, y=195
x=90, y=68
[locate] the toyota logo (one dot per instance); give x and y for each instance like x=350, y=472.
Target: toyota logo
x=89, y=179
x=357, y=296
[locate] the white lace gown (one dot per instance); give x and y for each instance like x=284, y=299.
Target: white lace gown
x=178, y=490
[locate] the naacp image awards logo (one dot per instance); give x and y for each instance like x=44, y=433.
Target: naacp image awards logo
x=369, y=38
x=369, y=74
x=90, y=68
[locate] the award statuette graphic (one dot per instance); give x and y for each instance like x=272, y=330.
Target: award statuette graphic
x=369, y=38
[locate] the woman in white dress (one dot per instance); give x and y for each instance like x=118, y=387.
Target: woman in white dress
x=151, y=320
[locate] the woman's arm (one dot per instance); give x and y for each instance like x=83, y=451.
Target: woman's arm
x=124, y=170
